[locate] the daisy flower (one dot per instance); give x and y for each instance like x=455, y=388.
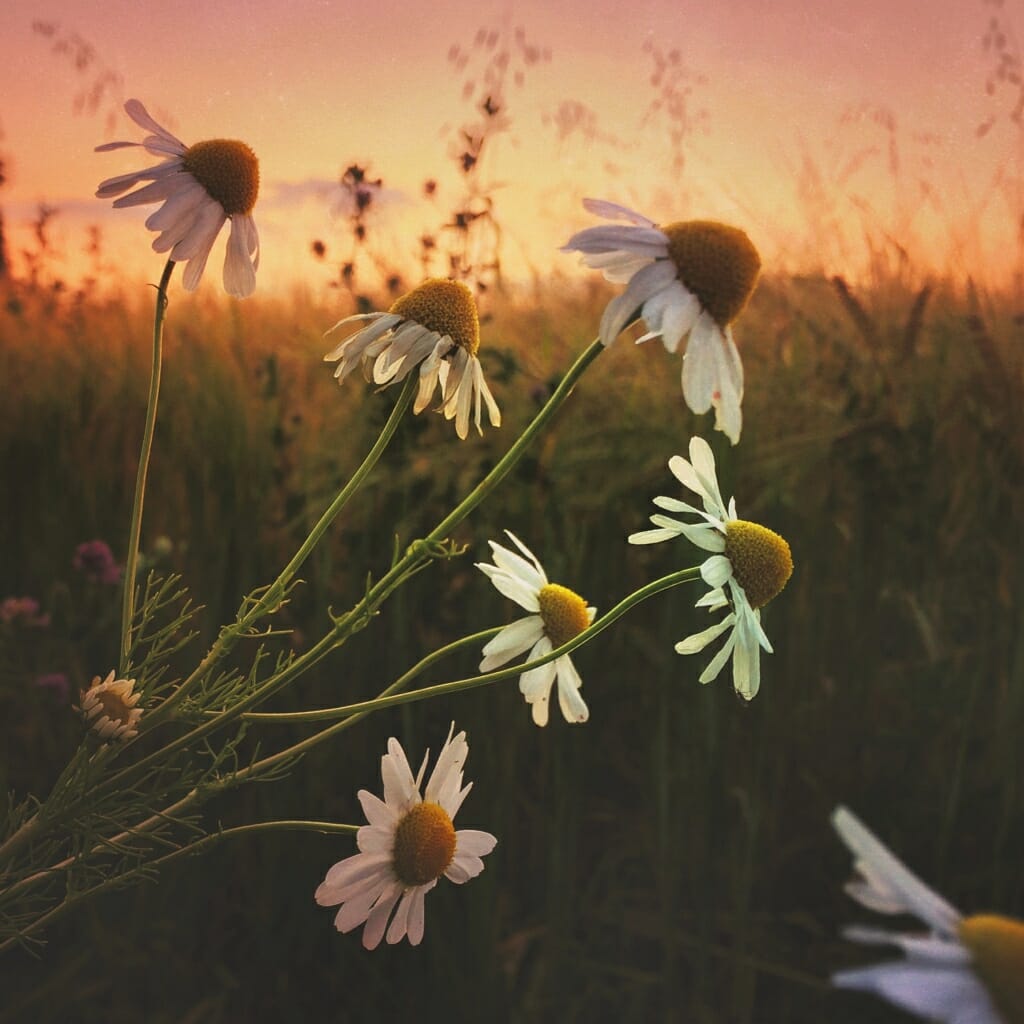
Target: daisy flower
x=199, y=187
x=434, y=327
x=109, y=708
x=962, y=970
x=686, y=278
x=409, y=843
x=557, y=614
x=749, y=565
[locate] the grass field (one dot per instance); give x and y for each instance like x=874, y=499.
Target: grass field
x=670, y=860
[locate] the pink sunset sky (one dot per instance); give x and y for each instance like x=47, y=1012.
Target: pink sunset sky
x=810, y=125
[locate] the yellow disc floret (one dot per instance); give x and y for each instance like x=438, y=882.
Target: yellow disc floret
x=761, y=560
x=996, y=945
x=228, y=170
x=424, y=844
x=563, y=612
x=716, y=262
x=445, y=307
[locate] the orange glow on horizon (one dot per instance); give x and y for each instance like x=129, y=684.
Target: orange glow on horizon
x=831, y=137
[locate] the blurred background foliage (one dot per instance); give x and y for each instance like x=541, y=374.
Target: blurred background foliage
x=672, y=859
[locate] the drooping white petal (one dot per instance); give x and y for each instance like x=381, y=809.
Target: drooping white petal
x=615, y=211
x=574, y=708
x=719, y=660
x=378, y=916
x=951, y=995
x=728, y=395
x=613, y=238
x=624, y=308
x=917, y=898
x=696, y=642
x=513, y=640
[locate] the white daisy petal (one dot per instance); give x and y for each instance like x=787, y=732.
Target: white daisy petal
x=512, y=641
x=936, y=979
x=716, y=571
x=917, y=898
x=951, y=995
x=614, y=211
x=625, y=308
x=696, y=642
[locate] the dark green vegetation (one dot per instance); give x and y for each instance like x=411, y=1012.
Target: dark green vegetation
x=672, y=859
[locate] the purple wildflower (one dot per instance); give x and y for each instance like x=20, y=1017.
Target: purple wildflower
x=23, y=611
x=56, y=683
x=95, y=561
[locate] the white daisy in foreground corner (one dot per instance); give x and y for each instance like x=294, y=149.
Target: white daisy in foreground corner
x=749, y=565
x=434, y=327
x=963, y=970
x=409, y=843
x=200, y=187
x=109, y=708
x=687, y=278
x=557, y=615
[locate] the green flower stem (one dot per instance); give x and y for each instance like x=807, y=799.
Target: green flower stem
x=413, y=559
x=70, y=902
x=135, y=530
x=328, y=714
x=276, y=591
x=414, y=553
x=388, y=699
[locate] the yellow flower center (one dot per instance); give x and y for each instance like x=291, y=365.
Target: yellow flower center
x=996, y=945
x=563, y=612
x=424, y=844
x=761, y=560
x=445, y=307
x=716, y=262
x=114, y=706
x=228, y=170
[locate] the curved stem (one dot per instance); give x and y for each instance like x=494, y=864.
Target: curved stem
x=328, y=714
x=347, y=623
x=70, y=902
x=135, y=530
x=273, y=594
x=276, y=589
x=351, y=712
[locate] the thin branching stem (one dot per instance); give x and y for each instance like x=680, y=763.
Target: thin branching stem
x=135, y=530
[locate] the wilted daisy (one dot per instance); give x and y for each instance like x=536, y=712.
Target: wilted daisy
x=749, y=565
x=409, y=843
x=200, y=187
x=686, y=278
x=434, y=327
x=962, y=970
x=109, y=708
x=557, y=615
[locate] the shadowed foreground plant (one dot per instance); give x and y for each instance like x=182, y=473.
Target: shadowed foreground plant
x=161, y=744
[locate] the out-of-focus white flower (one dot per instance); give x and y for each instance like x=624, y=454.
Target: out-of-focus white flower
x=962, y=970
